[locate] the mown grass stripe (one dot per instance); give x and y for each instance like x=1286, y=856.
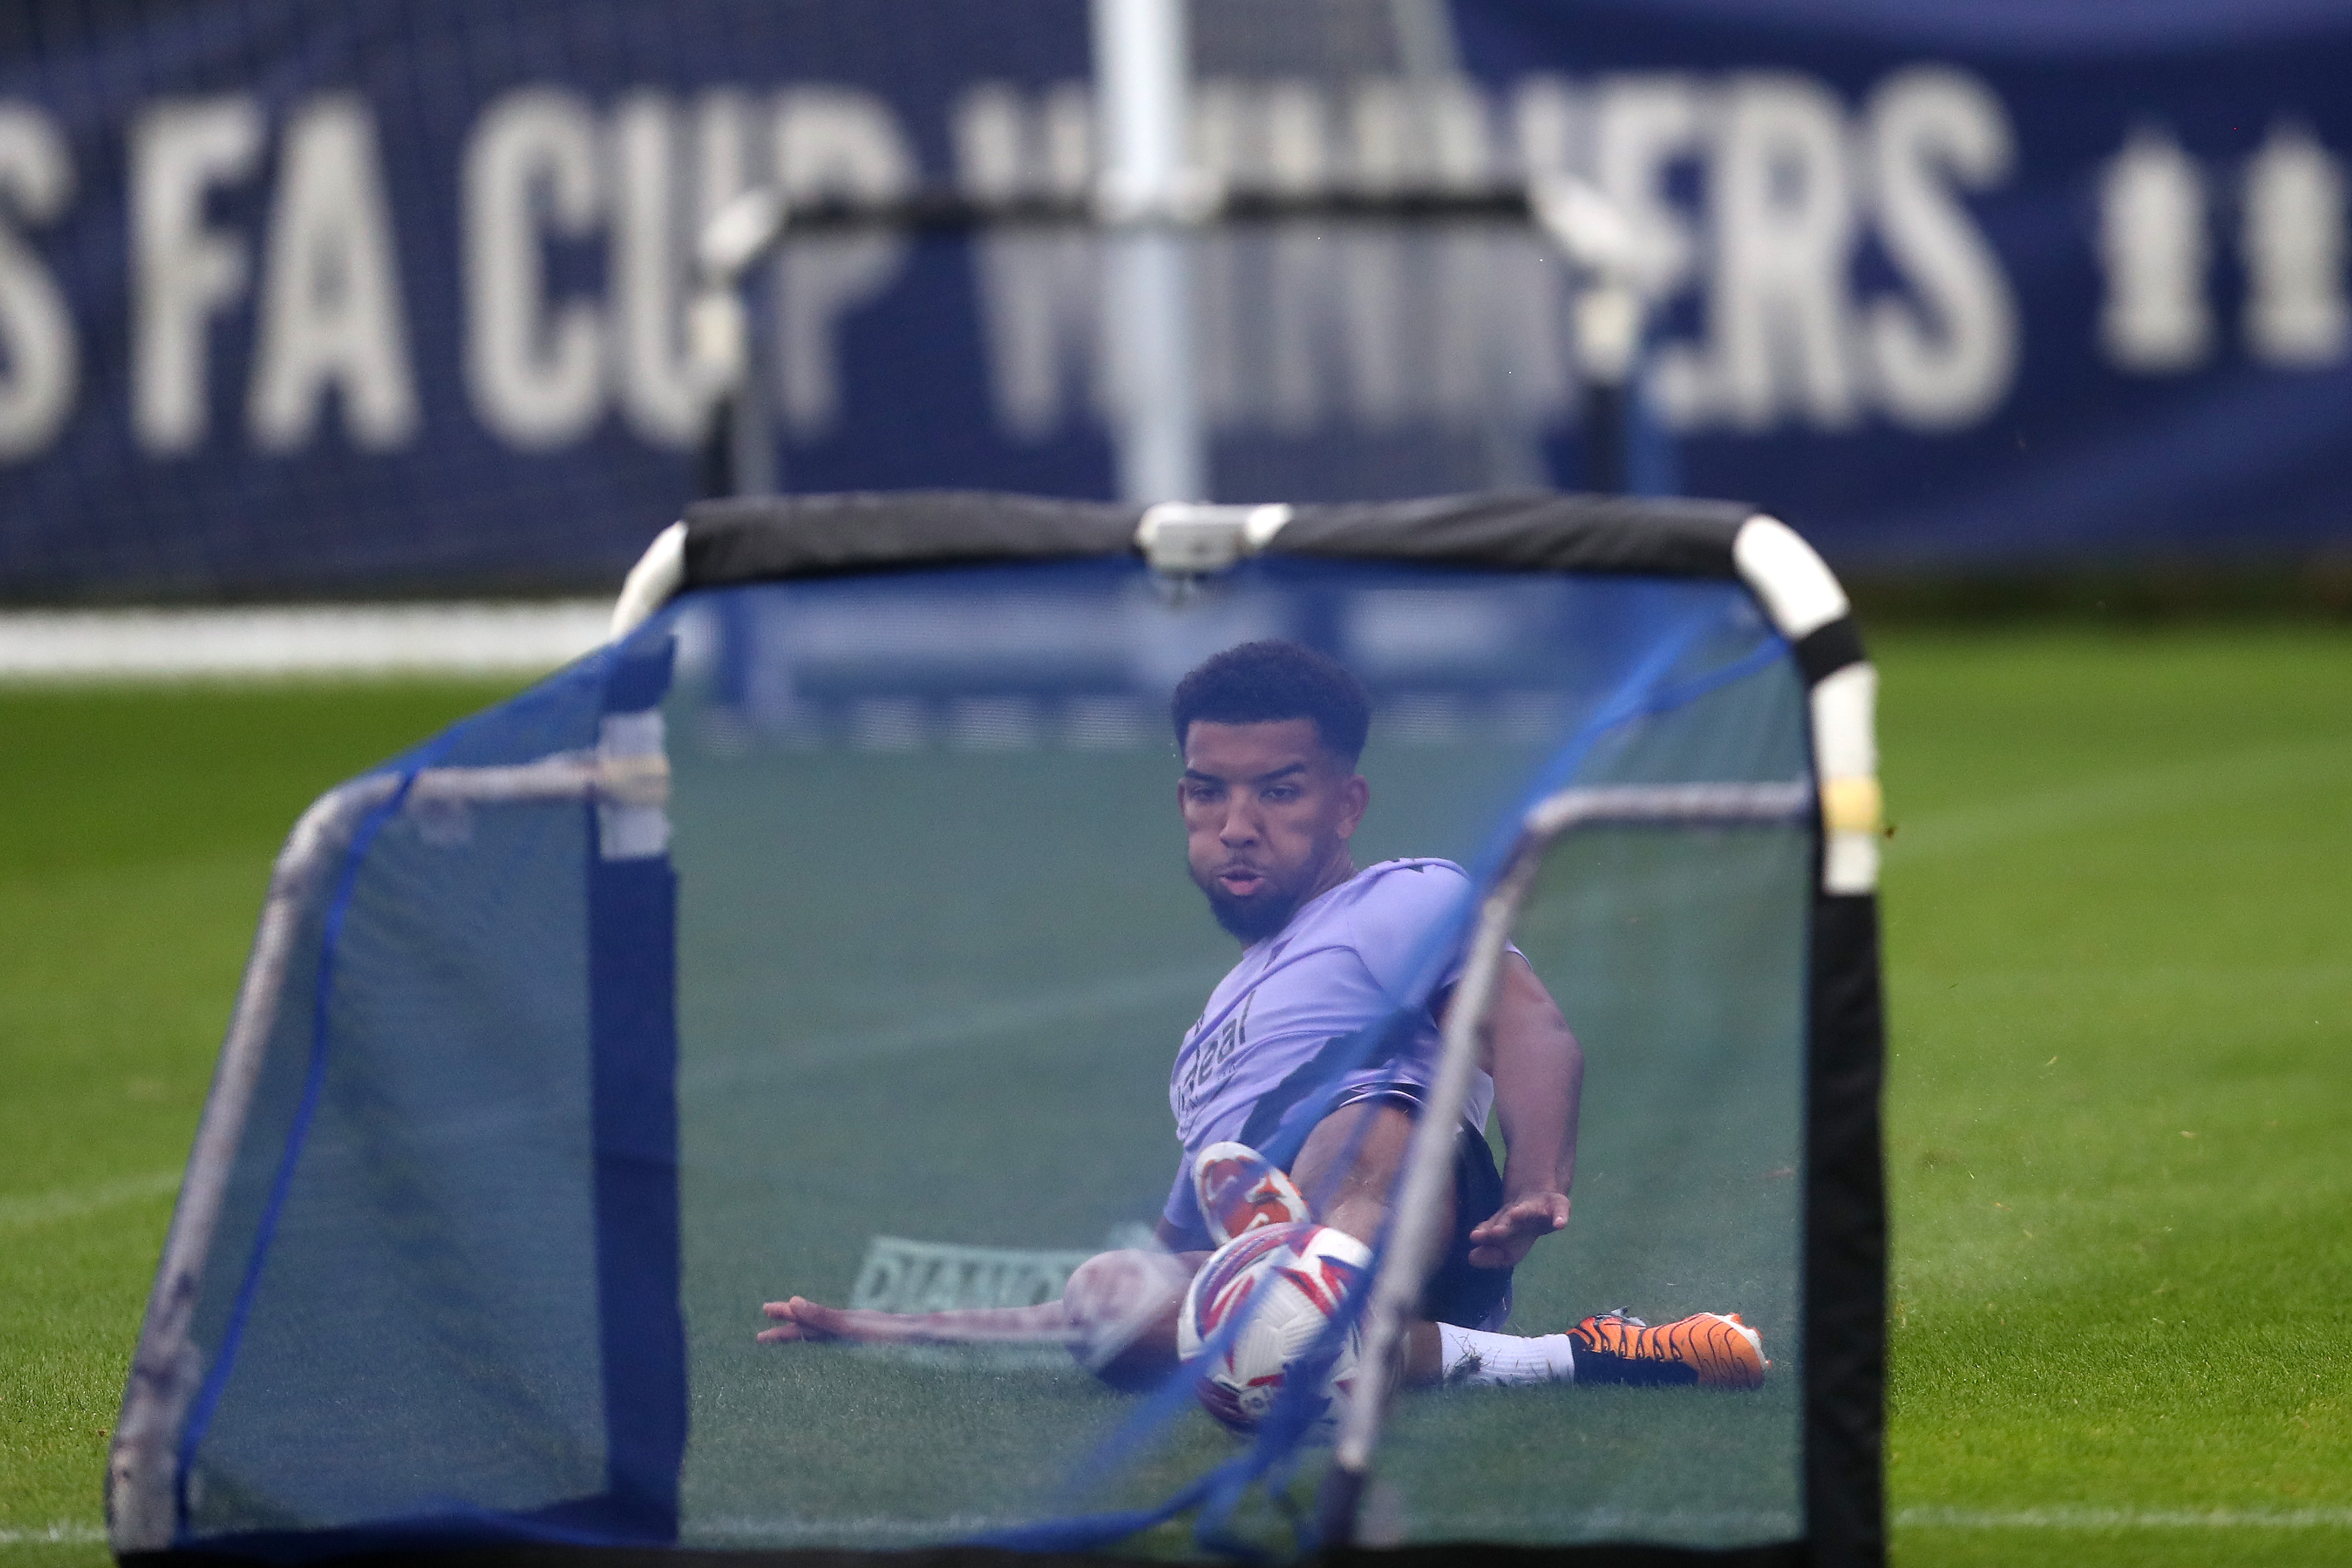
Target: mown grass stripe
x=2108, y=798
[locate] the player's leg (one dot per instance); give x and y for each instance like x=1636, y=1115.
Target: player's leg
x=1351, y=1165
x=1350, y=1168
x=1357, y=1157
x=1469, y=1304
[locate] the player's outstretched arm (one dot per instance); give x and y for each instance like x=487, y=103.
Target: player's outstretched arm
x=799, y=1319
x=1538, y=1072
x=1116, y=1315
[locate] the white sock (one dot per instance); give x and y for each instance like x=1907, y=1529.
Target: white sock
x=1486, y=1360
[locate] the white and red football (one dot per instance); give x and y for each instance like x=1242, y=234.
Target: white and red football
x=1285, y=1283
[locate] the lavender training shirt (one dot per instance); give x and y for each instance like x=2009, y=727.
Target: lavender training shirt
x=1344, y=961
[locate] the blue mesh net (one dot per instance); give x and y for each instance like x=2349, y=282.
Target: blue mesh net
x=877, y=1008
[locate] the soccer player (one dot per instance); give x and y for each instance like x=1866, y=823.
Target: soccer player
x=1296, y=1092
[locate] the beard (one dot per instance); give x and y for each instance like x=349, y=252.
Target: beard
x=1254, y=918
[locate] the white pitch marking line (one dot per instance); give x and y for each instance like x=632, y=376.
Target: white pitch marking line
x=277, y=641
x=72, y=1202
x=2125, y=1519
x=54, y=1535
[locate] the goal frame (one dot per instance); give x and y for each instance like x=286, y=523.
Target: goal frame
x=623, y=779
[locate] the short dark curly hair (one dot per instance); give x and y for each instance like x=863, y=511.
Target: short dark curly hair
x=1269, y=681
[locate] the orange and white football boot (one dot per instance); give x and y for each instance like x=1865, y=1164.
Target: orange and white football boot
x=1241, y=1189
x=1713, y=1349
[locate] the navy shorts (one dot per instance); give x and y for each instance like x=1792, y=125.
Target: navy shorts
x=1459, y=1293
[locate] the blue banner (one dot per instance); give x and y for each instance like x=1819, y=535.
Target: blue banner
x=328, y=297
x=1995, y=280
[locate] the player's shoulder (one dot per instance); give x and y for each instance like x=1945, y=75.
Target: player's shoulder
x=1393, y=909
x=1409, y=886
x=1414, y=870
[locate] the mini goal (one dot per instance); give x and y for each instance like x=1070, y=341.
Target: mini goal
x=827, y=933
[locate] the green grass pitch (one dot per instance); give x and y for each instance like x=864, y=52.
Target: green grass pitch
x=2120, y=994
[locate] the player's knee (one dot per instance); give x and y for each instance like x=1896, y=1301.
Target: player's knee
x=1352, y=1164
x=1124, y=1305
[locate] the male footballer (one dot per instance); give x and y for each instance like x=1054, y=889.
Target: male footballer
x=1314, y=1050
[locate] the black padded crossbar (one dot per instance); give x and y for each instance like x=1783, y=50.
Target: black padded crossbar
x=1531, y=531
x=757, y=539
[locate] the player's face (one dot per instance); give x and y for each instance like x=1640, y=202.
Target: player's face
x=1268, y=816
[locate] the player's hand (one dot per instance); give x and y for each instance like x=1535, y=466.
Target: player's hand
x=808, y=1322
x=801, y=1319
x=1502, y=1239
